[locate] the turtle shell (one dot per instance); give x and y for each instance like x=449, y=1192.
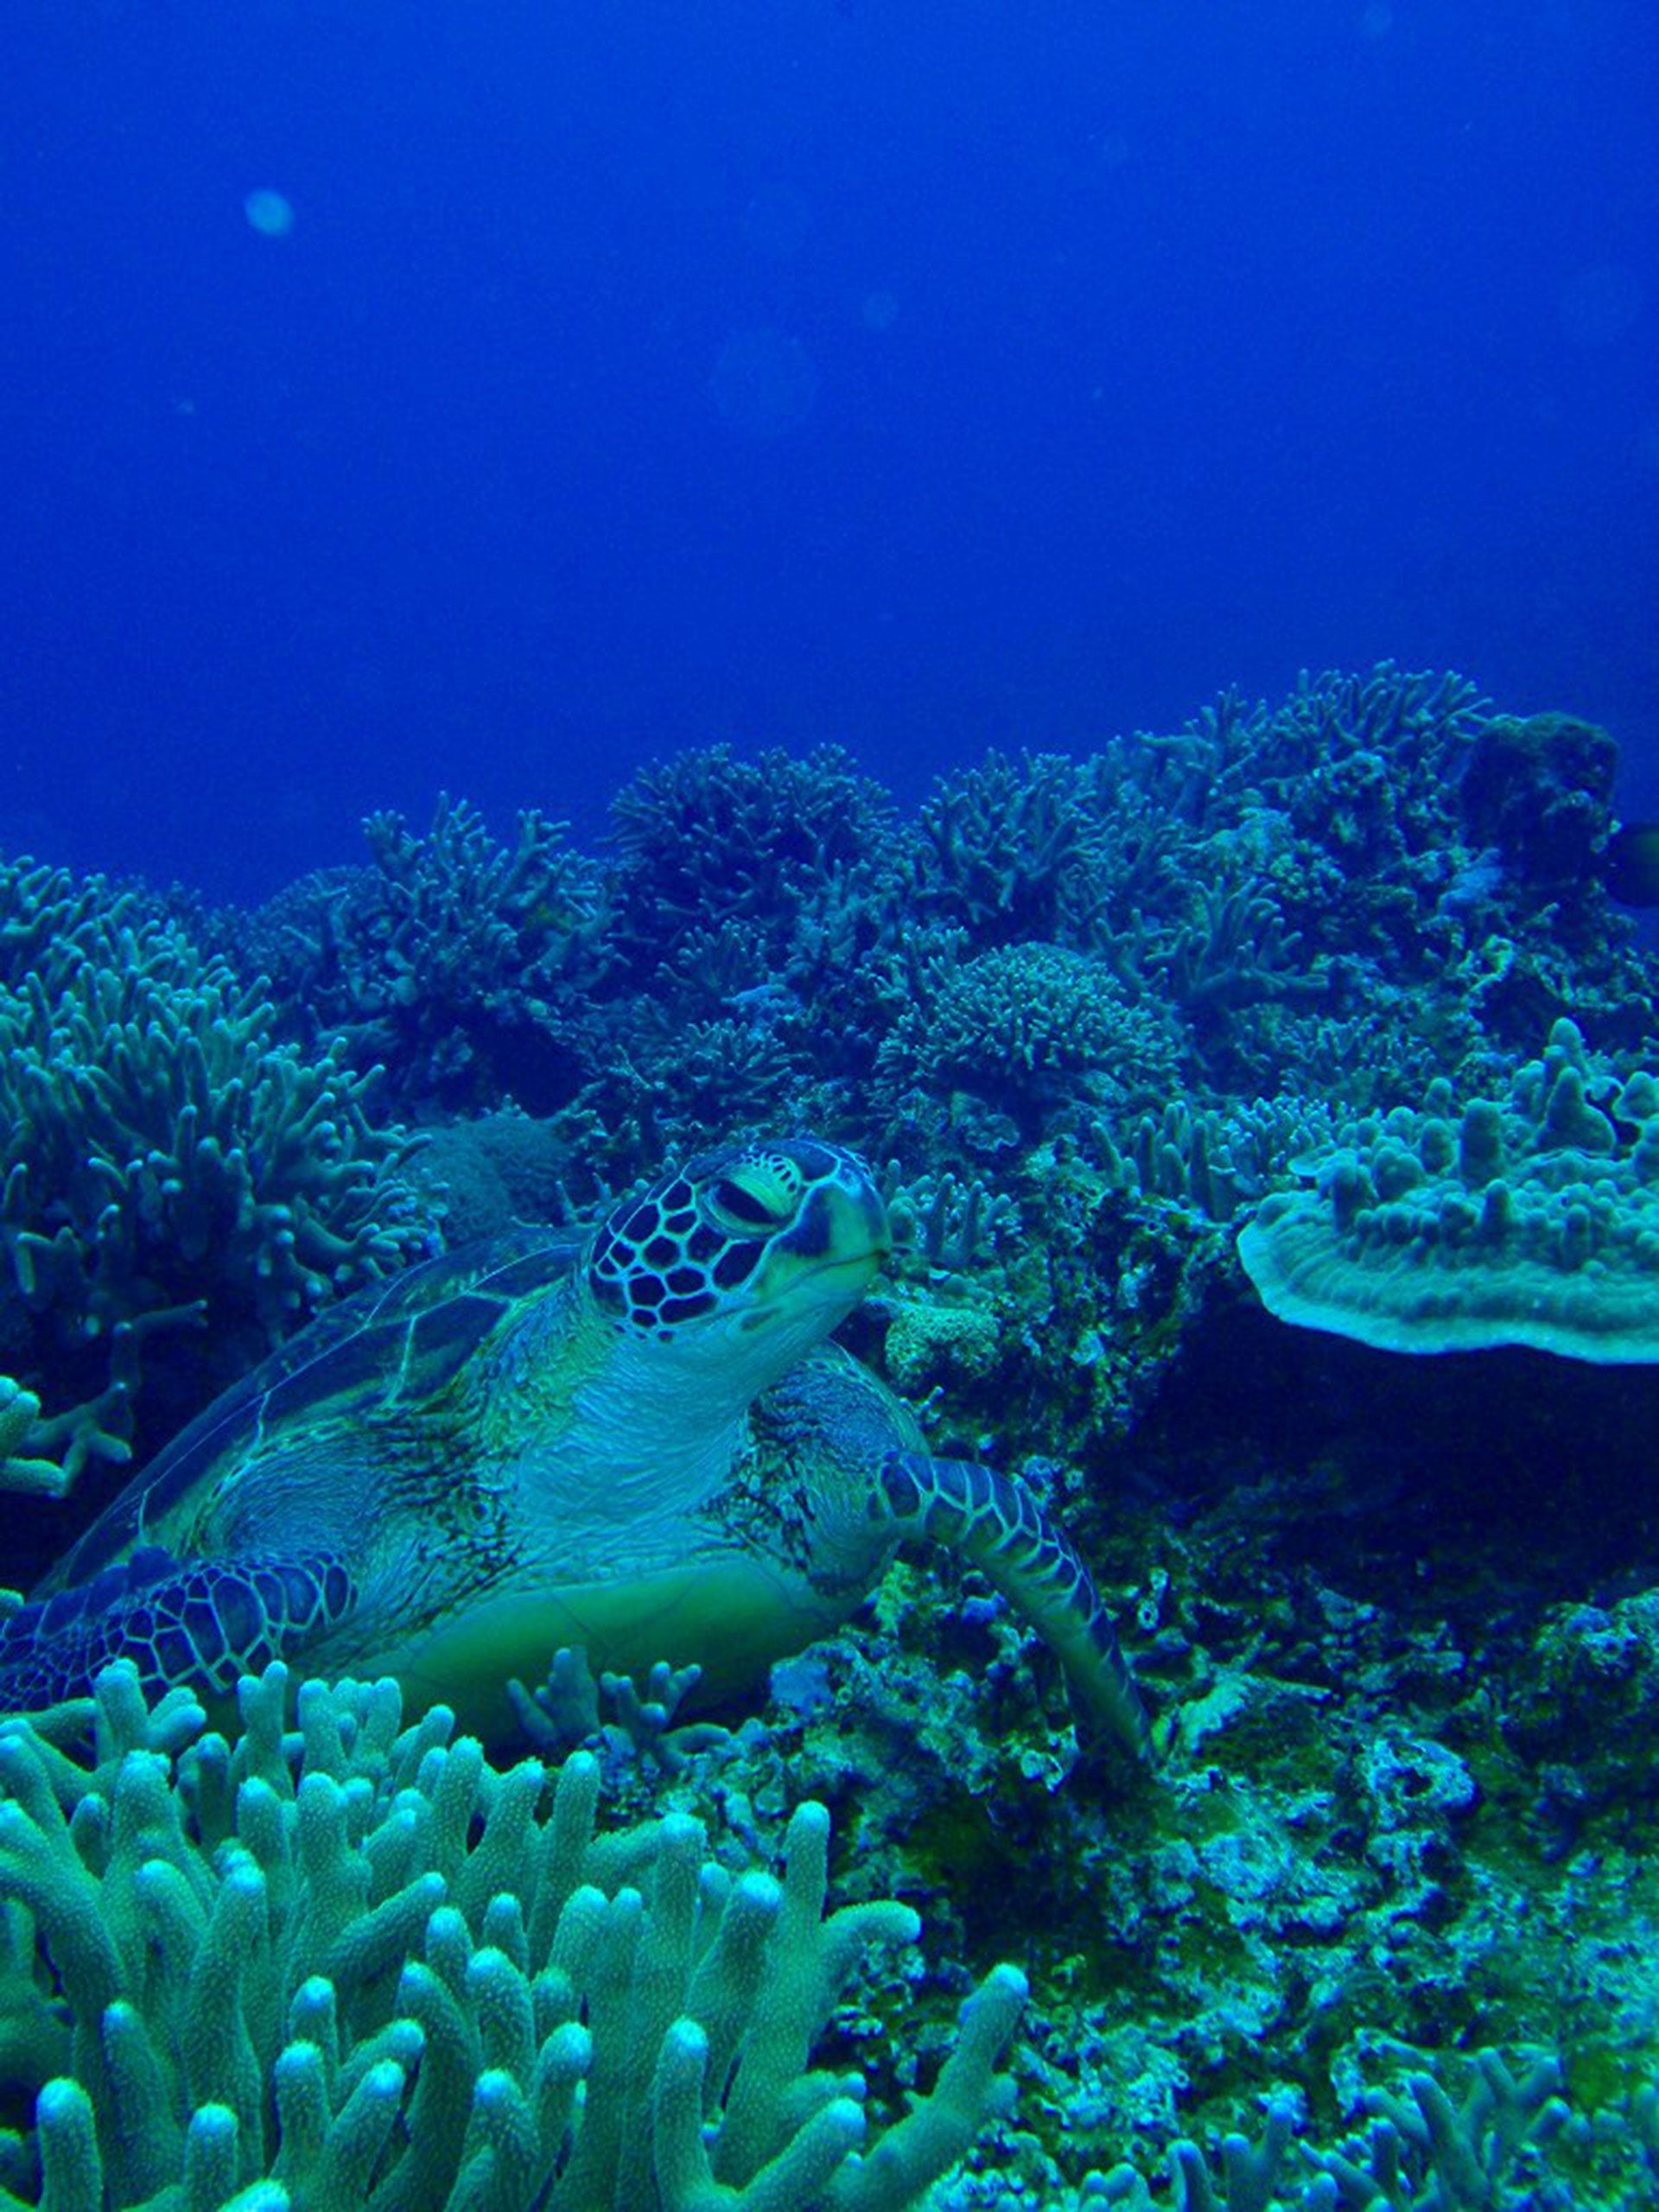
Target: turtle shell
x=401, y=1339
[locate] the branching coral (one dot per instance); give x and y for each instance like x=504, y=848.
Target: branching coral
x=797, y=855
x=164, y=1162
x=455, y=959
x=1213, y=1162
x=1418, y=728
x=1016, y=1023
x=1263, y=867
x=950, y=1224
x=364, y=1968
x=1491, y=2150
x=1006, y=849
x=1272, y=877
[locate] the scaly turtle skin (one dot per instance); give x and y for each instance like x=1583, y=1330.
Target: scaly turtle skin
x=642, y=1446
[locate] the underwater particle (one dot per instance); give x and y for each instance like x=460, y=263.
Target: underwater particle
x=1630, y=864
x=879, y=310
x=1377, y=20
x=268, y=211
x=764, y=382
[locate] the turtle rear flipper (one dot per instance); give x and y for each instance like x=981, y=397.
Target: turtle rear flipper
x=993, y=1521
x=199, y=1623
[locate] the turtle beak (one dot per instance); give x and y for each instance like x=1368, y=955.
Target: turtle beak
x=843, y=1223
x=834, y=1250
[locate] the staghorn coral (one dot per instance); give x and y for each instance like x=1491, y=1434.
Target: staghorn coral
x=165, y=1164
x=364, y=1968
x=454, y=959
x=1007, y=850
x=791, y=860
x=1328, y=742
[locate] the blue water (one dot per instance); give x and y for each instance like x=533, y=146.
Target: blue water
x=591, y=381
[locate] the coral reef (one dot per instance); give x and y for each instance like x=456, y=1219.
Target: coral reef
x=1509, y=2142
x=1540, y=793
x=452, y=961
x=734, y=873
x=1377, y=881
x=1338, y=972
x=1022, y=1023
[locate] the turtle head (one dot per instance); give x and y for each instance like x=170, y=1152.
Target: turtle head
x=754, y=1251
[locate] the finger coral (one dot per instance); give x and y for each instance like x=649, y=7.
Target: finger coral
x=360, y=1966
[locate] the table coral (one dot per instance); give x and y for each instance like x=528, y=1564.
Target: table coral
x=1531, y=1218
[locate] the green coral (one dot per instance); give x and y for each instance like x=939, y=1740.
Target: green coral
x=1531, y=1218
x=363, y=1967
x=1510, y=2141
x=1011, y=849
x=22, y=1466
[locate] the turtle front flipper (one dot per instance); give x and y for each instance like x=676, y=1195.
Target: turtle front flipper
x=199, y=1623
x=993, y=1521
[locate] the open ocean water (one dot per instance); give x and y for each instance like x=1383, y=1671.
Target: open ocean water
x=402, y=397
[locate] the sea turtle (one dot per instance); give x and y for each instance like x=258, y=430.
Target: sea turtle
x=643, y=1447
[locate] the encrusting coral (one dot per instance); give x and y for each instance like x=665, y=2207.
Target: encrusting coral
x=360, y=1967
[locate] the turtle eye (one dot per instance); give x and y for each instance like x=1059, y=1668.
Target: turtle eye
x=741, y=1208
